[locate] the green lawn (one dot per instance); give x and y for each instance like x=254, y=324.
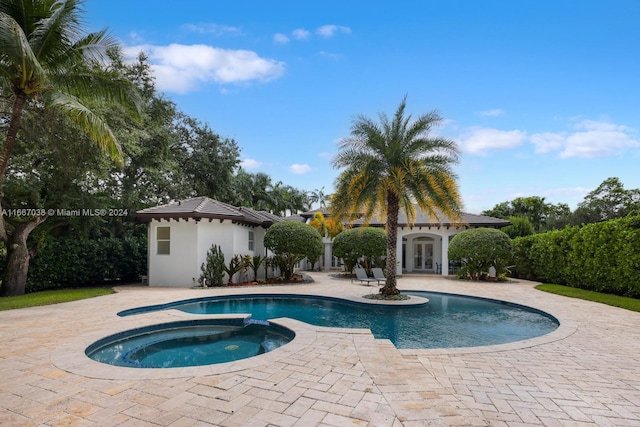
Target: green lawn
x=614, y=300
x=51, y=297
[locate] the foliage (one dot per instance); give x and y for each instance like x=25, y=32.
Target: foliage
x=291, y=242
x=326, y=226
x=632, y=304
x=256, y=262
x=520, y=226
x=602, y=257
x=609, y=201
x=541, y=215
x=213, y=268
x=51, y=297
x=478, y=249
x=235, y=266
x=391, y=166
x=67, y=262
x=48, y=63
x=360, y=245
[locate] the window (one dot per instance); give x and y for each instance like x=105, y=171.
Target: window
x=163, y=237
x=250, y=240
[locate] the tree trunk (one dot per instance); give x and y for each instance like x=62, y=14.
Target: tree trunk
x=18, y=257
x=393, y=207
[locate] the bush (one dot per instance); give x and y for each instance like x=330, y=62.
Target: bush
x=602, y=257
x=292, y=242
x=213, y=268
x=363, y=244
x=479, y=249
x=67, y=262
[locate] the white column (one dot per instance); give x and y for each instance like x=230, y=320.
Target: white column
x=399, y=255
x=445, y=254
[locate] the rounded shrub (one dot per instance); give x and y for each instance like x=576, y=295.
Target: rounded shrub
x=291, y=242
x=362, y=244
x=479, y=249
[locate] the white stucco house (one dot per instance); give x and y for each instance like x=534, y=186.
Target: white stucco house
x=181, y=233
x=422, y=246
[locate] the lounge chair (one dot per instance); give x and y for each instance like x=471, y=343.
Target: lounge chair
x=361, y=275
x=378, y=275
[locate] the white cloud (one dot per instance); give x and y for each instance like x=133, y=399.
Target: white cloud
x=330, y=30
x=491, y=113
x=300, y=34
x=181, y=68
x=299, y=169
x=280, y=38
x=250, y=164
x=330, y=55
x=480, y=140
x=211, y=28
x=589, y=140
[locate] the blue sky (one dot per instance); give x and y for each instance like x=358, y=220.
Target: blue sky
x=541, y=96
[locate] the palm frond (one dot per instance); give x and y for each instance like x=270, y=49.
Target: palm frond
x=87, y=120
x=16, y=56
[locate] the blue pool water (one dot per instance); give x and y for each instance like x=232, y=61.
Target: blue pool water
x=189, y=343
x=445, y=321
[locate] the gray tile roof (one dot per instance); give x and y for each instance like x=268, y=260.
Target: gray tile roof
x=424, y=220
x=206, y=208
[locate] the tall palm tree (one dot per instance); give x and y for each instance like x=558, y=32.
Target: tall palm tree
x=47, y=60
x=394, y=165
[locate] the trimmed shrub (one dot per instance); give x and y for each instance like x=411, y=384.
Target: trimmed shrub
x=292, y=242
x=602, y=257
x=365, y=245
x=76, y=263
x=479, y=249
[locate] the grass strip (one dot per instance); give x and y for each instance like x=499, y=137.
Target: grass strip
x=51, y=297
x=614, y=300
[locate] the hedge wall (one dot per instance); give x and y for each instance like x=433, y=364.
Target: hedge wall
x=76, y=263
x=603, y=257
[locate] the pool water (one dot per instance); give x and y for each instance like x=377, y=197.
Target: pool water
x=446, y=321
x=192, y=343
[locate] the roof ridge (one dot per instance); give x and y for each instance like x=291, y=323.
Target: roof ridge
x=202, y=204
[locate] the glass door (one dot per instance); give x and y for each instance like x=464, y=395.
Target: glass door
x=423, y=255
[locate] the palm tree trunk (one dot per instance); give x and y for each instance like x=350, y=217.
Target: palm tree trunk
x=393, y=207
x=14, y=279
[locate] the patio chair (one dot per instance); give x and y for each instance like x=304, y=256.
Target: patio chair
x=379, y=275
x=361, y=275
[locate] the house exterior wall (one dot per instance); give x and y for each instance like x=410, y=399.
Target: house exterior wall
x=189, y=243
x=178, y=267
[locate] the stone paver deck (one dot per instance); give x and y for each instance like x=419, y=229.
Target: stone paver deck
x=585, y=373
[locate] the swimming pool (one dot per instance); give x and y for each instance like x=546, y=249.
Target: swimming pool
x=446, y=321
x=189, y=343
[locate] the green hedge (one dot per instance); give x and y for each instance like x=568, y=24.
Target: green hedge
x=69, y=262
x=602, y=257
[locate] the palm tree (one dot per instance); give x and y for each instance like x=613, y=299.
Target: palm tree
x=393, y=165
x=47, y=61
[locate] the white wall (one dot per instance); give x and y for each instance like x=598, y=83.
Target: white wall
x=190, y=242
x=179, y=267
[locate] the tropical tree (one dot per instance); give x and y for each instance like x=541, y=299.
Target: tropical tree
x=394, y=165
x=47, y=61
x=291, y=242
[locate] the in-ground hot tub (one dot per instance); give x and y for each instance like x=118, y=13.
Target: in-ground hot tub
x=189, y=343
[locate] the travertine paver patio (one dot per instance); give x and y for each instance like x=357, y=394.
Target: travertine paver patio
x=585, y=373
